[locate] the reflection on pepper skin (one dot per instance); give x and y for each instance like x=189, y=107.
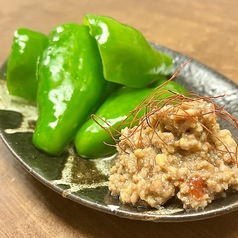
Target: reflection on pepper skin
x=21, y=40
x=71, y=82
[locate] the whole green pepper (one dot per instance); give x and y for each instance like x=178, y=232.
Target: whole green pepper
x=22, y=63
x=127, y=57
x=90, y=138
x=70, y=84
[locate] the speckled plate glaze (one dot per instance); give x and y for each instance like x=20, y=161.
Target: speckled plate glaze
x=85, y=181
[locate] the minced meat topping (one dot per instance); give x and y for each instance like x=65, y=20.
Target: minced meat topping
x=179, y=151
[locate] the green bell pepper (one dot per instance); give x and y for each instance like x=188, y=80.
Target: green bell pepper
x=22, y=63
x=71, y=82
x=91, y=136
x=127, y=57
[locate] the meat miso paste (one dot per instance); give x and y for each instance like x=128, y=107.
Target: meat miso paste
x=178, y=150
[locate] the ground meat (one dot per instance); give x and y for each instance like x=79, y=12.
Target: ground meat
x=179, y=150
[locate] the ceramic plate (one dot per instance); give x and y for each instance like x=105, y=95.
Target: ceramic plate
x=85, y=181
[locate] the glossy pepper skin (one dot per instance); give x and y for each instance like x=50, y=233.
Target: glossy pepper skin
x=90, y=138
x=127, y=57
x=22, y=63
x=70, y=84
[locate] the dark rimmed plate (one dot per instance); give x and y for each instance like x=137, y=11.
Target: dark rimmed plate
x=85, y=181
